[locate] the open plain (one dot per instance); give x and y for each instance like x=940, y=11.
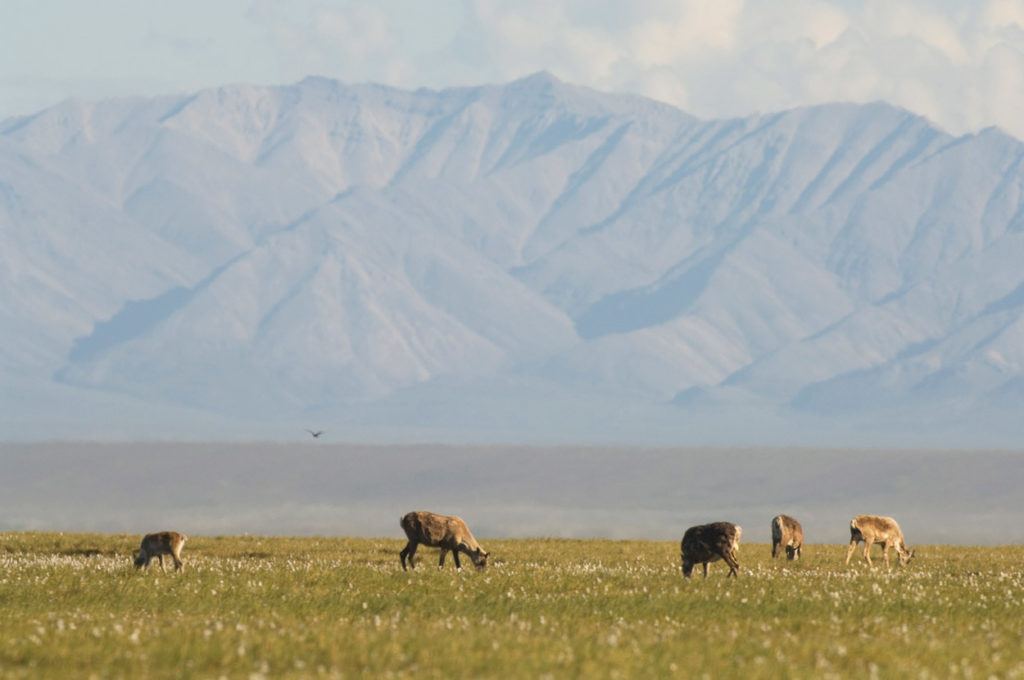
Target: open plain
x=322, y=488
x=292, y=563
x=71, y=605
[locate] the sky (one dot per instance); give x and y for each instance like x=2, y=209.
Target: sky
x=960, y=63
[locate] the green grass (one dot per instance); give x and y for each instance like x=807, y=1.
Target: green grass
x=71, y=605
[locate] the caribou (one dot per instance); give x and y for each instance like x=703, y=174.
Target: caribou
x=710, y=543
x=160, y=544
x=787, y=533
x=873, y=529
x=450, y=534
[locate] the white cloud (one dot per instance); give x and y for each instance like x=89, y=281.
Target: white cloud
x=1002, y=14
x=362, y=32
x=957, y=63
x=918, y=24
x=699, y=29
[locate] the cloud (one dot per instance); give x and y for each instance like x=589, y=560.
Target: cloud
x=957, y=63
x=364, y=31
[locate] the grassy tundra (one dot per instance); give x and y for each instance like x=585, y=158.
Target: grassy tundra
x=72, y=605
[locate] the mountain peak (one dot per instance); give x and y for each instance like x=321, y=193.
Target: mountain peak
x=542, y=78
x=269, y=252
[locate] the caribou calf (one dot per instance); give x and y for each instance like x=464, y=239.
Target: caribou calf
x=710, y=543
x=160, y=544
x=787, y=533
x=873, y=529
x=440, y=531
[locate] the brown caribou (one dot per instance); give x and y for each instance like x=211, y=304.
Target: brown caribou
x=873, y=529
x=787, y=533
x=440, y=531
x=160, y=544
x=710, y=543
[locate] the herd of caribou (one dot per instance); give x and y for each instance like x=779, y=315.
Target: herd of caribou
x=701, y=544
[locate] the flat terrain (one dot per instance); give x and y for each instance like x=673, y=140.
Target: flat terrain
x=321, y=488
x=71, y=605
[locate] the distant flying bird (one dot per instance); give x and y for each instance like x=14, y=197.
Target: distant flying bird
x=315, y=434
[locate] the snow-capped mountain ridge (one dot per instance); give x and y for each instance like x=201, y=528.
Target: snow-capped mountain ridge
x=273, y=252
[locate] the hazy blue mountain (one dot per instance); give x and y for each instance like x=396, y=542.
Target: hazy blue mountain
x=527, y=261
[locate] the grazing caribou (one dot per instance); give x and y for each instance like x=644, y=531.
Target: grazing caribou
x=440, y=531
x=787, y=533
x=874, y=529
x=160, y=544
x=710, y=543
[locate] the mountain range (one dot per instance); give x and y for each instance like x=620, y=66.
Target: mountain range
x=529, y=261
